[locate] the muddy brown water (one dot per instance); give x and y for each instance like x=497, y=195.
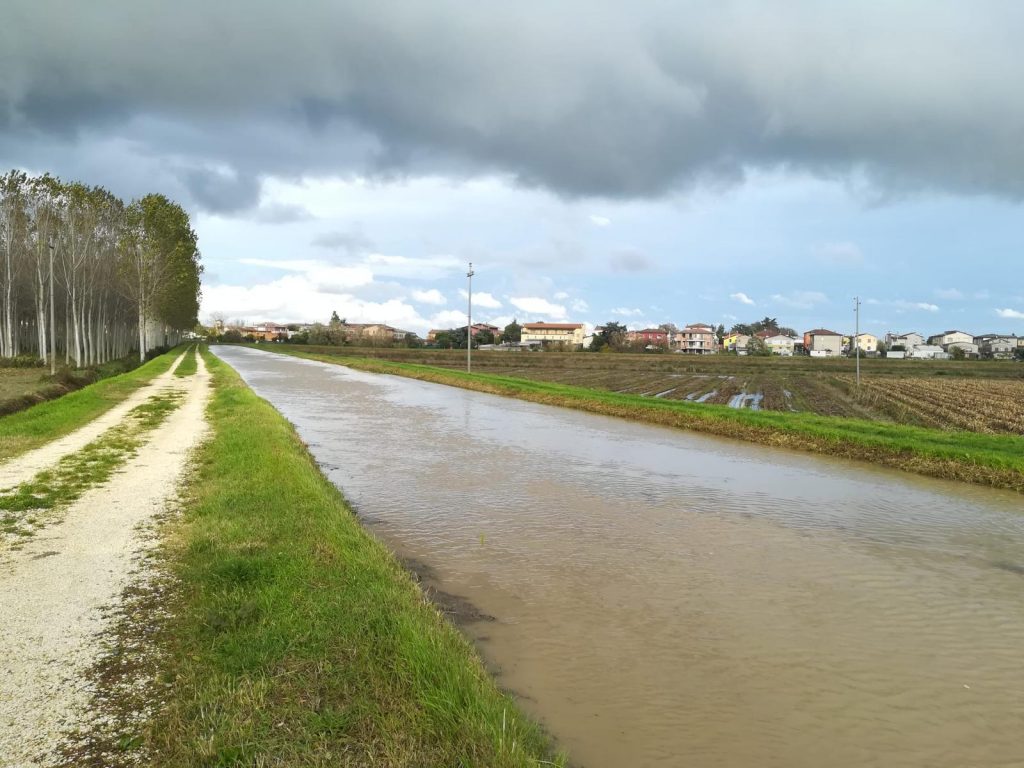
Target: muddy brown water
x=661, y=598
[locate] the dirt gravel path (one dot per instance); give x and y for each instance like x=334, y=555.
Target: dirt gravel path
x=21, y=468
x=54, y=589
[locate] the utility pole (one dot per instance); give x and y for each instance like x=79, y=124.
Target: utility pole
x=856, y=335
x=469, y=320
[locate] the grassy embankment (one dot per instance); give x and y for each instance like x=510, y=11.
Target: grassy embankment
x=995, y=460
x=28, y=429
x=294, y=638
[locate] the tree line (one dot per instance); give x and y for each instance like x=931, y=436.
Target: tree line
x=86, y=278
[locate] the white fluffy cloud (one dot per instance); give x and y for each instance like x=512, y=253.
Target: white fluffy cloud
x=428, y=268
x=922, y=305
x=742, y=298
x=450, y=318
x=627, y=312
x=1010, y=314
x=538, y=306
x=299, y=298
x=433, y=296
x=599, y=221
x=482, y=299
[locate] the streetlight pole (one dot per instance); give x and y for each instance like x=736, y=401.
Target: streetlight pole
x=856, y=335
x=469, y=320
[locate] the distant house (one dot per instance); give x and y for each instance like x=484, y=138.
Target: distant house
x=375, y=332
x=649, y=337
x=482, y=327
x=969, y=348
x=822, y=342
x=780, y=344
x=929, y=352
x=570, y=334
x=266, y=331
x=736, y=342
x=695, y=339
x=950, y=337
x=868, y=343
x=908, y=341
x=996, y=346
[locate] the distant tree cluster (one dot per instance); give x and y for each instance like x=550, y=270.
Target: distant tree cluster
x=769, y=324
x=455, y=338
x=513, y=333
x=611, y=338
x=86, y=277
x=338, y=333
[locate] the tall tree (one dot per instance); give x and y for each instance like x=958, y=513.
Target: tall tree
x=614, y=335
x=513, y=332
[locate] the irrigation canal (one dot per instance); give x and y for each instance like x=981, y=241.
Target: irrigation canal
x=662, y=598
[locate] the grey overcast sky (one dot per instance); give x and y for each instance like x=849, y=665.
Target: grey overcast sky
x=649, y=161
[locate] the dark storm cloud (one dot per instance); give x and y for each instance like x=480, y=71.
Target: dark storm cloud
x=282, y=213
x=584, y=98
x=221, y=192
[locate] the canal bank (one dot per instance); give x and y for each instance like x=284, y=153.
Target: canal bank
x=287, y=635
x=661, y=596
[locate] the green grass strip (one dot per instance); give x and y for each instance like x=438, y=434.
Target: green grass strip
x=996, y=460
x=22, y=509
x=188, y=364
x=28, y=429
x=295, y=638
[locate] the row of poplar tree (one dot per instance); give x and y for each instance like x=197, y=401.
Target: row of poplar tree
x=86, y=278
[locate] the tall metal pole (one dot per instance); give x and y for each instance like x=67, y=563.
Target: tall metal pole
x=856, y=337
x=469, y=321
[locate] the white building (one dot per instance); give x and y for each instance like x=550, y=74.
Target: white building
x=950, y=337
x=781, y=345
x=998, y=347
x=969, y=348
x=909, y=341
x=929, y=352
x=570, y=334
